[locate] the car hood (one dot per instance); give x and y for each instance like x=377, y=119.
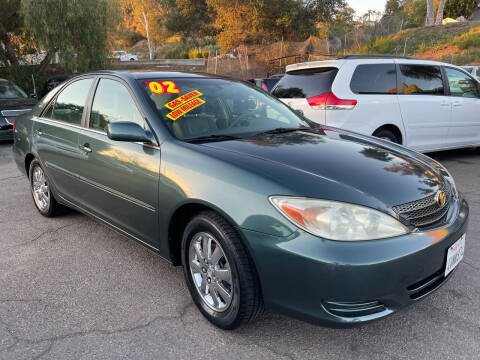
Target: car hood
x=391, y=174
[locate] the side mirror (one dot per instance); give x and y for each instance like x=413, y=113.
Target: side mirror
x=33, y=96
x=128, y=131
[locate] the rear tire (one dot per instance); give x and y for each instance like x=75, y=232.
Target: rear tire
x=219, y=274
x=386, y=134
x=41, y=191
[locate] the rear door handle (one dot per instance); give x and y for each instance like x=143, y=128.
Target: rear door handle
x=445, y=103
x=86, y=147
x=457, y=103
x=38, y=132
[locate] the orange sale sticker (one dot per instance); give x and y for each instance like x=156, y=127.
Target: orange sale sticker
x=185, y=108
x=183, y=99
x=163, y=87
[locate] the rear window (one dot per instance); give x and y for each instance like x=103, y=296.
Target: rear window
x=421, y=80
x=375, y=79
x=305, y=83
x=9, y=90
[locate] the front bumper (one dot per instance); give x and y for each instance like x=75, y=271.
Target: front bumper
x=344, y=283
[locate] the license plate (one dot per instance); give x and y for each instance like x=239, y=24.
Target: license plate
x=455, y=254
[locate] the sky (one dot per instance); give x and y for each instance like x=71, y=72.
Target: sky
x=362, y=6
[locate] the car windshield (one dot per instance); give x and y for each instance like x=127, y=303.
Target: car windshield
x=213, y=109
x=9, y=90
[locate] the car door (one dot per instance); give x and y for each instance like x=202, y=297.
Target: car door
x=120, y=178
x=426, y=111
x=464, y=93
x=55, y=137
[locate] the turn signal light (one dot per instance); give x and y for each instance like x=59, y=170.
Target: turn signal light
x=329, y=101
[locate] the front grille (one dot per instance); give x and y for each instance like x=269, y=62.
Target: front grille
x=425, y=211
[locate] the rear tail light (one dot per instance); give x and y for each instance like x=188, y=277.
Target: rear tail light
x=13, y=125
x=329, y=101
x=264, y=87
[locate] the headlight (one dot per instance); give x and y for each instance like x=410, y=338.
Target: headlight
x=336, y=220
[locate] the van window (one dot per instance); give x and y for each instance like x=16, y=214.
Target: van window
x=375, y=79
x=461, y=85
x=421, y=80
x=305, y=83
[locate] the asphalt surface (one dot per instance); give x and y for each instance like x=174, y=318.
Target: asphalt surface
x=70, y=288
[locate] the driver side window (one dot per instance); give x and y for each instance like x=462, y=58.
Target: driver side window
x=113, y=103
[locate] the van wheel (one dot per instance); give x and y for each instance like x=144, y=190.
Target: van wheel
x=219, y=274
x=386, y=134
x=41, y=191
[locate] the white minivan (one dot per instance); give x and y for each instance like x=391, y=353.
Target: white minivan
x=421, y=104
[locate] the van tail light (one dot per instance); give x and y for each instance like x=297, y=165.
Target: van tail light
x=329, y=101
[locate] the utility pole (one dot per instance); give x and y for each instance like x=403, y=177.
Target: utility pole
x=150, y=50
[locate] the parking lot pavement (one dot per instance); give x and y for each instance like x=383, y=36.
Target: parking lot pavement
x=70, y=288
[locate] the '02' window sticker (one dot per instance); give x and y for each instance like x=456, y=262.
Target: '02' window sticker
x=163, y=87
x=175, y=103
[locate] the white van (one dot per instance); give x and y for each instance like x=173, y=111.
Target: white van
x=424, y=105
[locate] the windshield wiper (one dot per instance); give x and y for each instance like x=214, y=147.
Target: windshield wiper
x=282, y=130
x=210, y=138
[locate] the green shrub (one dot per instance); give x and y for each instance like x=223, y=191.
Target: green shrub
x=468, y=40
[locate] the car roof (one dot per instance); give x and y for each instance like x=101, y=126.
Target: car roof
x=139, y=75
x=340, y=62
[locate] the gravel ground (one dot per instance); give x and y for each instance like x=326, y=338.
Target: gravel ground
x=70, y=288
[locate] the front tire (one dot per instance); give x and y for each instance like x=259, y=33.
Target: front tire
x=41, y=192
x=219, y=274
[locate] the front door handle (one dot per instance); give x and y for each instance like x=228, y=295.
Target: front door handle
x=86, y=147
x=457, y=103
x=38, y=132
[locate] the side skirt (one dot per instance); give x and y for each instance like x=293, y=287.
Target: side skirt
x=153, y=249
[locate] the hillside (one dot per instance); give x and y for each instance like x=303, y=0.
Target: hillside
x=457, y=43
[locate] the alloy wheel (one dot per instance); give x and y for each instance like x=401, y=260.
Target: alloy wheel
x=40, y=189
x=211, y=272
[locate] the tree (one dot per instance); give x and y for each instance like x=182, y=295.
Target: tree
x=10, y=22
x=430, y=13
x=325, y=10
x=145, y=16
x=456, y=8
x=67, y=28
x=440, y=11
x=247, y=21
x=190, y=18
x=392, y=7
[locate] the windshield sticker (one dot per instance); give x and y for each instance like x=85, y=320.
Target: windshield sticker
x=185, y=108
x=183, y=99
x=163, y=87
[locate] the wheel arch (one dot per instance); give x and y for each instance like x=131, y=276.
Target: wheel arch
x=393, y=128
x=179, y=220
x=28, y=160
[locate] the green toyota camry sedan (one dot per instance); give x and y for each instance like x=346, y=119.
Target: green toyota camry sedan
x=262, y=208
